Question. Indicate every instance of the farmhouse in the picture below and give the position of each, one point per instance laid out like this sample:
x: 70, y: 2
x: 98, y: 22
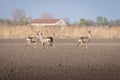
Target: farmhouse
x: 48, y: 22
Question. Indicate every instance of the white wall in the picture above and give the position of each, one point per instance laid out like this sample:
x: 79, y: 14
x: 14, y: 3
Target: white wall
x: 59, y: 23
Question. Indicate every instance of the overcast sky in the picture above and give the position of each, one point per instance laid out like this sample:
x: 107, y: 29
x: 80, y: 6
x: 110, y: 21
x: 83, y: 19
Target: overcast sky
x: 73, y: 9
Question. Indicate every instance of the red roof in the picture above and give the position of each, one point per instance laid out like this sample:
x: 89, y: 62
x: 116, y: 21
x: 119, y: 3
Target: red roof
x: 45, y: 20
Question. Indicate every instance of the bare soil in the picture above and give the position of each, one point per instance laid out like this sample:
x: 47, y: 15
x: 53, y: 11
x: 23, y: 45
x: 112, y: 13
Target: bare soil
x: 99, y: 60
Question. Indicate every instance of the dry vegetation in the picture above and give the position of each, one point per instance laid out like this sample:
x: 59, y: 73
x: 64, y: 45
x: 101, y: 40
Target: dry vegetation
x: 72, y: 31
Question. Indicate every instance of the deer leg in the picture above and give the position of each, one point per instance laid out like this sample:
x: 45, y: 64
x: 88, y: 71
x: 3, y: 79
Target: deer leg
x: 35, y: 44
x: 27, y: 43
x: 86, y: 45
x: 41, y: 44
x: 78, y: 44
x: 51, y: 44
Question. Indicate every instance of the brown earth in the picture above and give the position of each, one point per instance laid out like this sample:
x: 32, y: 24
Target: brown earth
x: 100, y: 60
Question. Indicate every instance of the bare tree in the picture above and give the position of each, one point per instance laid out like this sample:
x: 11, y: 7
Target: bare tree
x: 66, y: 19
x: 19, y: 16
x: 46, y: 15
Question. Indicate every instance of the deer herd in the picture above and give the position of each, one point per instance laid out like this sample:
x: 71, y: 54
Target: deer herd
x: 48, y: 41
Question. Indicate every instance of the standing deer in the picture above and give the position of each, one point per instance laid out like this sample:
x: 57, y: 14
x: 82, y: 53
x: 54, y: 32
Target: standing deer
x: 85, y: 40
x: 31, y: 39
x: 46, y: 40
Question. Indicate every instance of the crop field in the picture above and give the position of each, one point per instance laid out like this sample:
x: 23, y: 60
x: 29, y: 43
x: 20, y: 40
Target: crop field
x: 99, y: 60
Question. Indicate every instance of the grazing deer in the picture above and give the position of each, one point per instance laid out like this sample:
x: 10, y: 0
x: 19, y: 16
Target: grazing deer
x: 85, y: 40
x: 30, y: 40
x: 46, y: 40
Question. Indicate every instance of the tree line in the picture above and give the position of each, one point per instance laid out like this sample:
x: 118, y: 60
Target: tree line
x: 100, y: 21
x: 19, y: 17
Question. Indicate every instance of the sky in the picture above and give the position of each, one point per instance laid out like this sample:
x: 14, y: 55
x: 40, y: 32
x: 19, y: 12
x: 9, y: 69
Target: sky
x: 74, y: 10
